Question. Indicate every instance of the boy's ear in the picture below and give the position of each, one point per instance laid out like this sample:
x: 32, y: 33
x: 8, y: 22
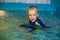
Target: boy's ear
x: 38, y: 14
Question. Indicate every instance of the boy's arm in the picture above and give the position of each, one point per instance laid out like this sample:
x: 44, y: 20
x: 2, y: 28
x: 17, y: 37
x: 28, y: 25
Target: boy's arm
x: 41, y: 23
x: 43, y: 26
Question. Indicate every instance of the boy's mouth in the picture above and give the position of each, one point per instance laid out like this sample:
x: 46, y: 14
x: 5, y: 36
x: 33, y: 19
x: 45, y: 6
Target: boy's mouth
x: 32, y: 19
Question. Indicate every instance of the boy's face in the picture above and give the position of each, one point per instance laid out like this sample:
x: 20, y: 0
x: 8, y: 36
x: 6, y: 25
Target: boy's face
x: 32, y: 15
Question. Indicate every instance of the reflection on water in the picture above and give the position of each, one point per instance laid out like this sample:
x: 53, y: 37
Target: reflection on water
x: 10, y: 30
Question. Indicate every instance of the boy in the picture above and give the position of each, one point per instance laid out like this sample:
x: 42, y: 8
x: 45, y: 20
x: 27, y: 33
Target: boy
x: 34, y: 21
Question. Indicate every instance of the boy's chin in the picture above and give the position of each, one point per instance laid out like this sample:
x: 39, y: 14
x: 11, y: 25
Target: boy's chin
x: 32, y: 21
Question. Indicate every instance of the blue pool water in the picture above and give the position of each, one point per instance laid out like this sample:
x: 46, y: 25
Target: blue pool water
x: 10, y: 30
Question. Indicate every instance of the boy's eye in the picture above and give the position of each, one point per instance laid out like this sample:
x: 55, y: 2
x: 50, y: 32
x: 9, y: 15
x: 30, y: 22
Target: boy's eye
x: 34, y: 15
x: 29, y: 15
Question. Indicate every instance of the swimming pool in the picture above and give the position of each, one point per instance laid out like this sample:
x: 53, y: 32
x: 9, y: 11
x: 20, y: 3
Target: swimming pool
x: 10, y: 30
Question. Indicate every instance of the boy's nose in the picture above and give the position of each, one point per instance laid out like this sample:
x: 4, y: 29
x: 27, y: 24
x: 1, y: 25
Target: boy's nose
x: 31, y: 17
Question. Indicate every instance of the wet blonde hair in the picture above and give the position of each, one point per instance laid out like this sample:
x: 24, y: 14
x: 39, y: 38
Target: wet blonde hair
x: 33, y: 8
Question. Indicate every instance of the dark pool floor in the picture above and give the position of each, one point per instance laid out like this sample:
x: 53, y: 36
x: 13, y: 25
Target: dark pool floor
x: 10, y: 30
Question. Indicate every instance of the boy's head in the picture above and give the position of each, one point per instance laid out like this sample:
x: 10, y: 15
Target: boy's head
x: 33, y: 13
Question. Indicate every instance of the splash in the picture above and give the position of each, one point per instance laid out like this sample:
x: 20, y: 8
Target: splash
x: 2, y: 13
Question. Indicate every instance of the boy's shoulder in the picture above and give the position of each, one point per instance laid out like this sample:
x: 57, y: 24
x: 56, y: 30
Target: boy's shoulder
x: 37, y: 22
x: 38, y: 19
